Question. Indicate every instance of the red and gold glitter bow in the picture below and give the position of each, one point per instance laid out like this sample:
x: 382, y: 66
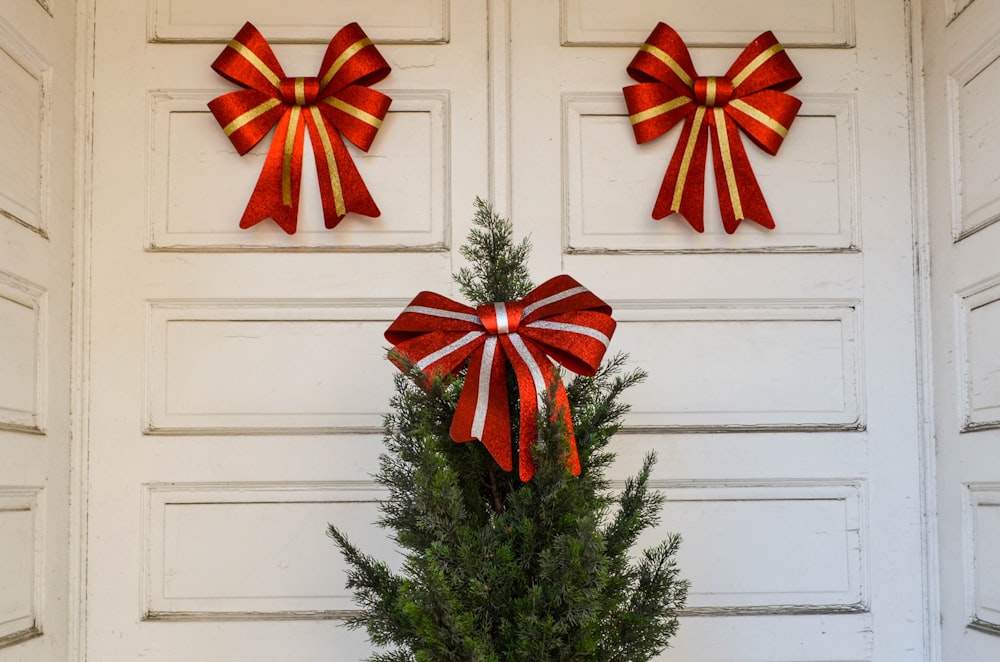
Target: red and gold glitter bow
x: 337, y: 101
x: 750, y: 96
x: 559, y: 320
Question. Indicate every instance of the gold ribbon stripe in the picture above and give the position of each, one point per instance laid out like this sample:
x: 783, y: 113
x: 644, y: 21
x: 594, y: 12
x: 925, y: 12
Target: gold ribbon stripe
x: 710, y: 91
x: 656, y: 111
x: 300, y: 91
x: 669, y: 61
x: 760, y: 116
x: 722, y: 132
x: 353, y: 111
x: 331, y: 161
x: 756, y: 63
x: 250, y: 116
x: 348, y: 53
x: 286, y: 160
x: 257, y: 63
x: 699, y: 116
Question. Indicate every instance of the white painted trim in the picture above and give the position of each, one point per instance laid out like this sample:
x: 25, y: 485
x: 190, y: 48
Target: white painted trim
x: 29, y: 499
x: 929, y: 556
x: 157, y: 495
x: 498, y: 34
x: 966, y: 301
x: 80, y: 331
x: 852, y: 491
x: 162, y: 103
x: 34, y: 297
x: 842, y: 108
x: 954, y: 9
x: 159, y: 312
x: 20, y: 50
x: 974, y: 495
x: 848, y: 312
x: 842, y: 33
x: 161, y: 29
x: 966, y: 222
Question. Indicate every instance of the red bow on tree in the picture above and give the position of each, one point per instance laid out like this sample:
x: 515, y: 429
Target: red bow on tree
x: 750, y: 96
x: 336, y: 102
x: 559, y: 320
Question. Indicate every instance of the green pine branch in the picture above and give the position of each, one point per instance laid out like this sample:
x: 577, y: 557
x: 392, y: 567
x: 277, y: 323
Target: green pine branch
x: 498, y: 268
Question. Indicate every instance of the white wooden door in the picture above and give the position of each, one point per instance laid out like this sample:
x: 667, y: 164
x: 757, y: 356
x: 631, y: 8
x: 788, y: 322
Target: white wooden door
x: 37, y: 174
x: 782, y: 396
x: 961, y: 53
x: 238, y: 376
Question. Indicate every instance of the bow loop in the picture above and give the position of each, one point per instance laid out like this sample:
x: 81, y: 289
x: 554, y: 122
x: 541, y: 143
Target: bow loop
x: 246, y: 116
x: 749, y: 97
x: 357, y: 113
x: 351, y: 59
x: 655, y: 109
x: 577, y: 340
x: 560, y: 294
x: 765, y: 117
x: 248, y: 61
x: 332, y: 104
x: 439, y: 353
x: 559, y: 320
x: 763, y: 64
x: 664, y: 58
x: 431, y: 310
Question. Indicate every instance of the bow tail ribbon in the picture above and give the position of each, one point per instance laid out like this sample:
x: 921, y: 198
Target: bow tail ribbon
x: 340, y: 184
x: 483, y: 408
x: 764, y: 117
x: 276, y: 195
x: 739, y: 193
x: 278, y: 187
x: 683, y: 188
x: 535, y: 374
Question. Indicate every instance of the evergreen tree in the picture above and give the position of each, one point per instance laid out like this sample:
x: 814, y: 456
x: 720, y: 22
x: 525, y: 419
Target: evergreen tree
x: 497, y: 570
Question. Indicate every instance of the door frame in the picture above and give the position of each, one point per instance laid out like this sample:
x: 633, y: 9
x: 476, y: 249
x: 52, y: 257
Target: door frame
x: 500, y: 190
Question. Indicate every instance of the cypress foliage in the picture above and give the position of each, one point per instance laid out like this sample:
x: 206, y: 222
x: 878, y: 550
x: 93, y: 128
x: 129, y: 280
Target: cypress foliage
x: 497, y: 570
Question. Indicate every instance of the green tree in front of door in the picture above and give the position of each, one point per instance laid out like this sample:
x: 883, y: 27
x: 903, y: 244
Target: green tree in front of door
x: 500, y: 570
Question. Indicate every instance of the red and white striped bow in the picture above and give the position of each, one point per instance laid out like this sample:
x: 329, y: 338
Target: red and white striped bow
x: 559, y: 320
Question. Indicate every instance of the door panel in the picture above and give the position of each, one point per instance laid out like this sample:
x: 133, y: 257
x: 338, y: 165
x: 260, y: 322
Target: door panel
x: 37, y: 69
x: 961, y: 43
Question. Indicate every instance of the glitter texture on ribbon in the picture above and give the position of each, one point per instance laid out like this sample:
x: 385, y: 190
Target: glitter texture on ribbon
x: 559, y: 321
x: 751, y: 96
x: 337, y: 102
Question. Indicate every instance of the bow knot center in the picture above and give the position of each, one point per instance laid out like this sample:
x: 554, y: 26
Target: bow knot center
x: 500, y: 318
x: 712, y: 91
x: 300, y: 91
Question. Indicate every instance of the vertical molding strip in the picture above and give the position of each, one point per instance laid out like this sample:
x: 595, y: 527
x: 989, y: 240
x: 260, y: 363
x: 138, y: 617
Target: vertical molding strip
x: 86, y: 11
x: 498, y: 54
x: 927, y: 449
